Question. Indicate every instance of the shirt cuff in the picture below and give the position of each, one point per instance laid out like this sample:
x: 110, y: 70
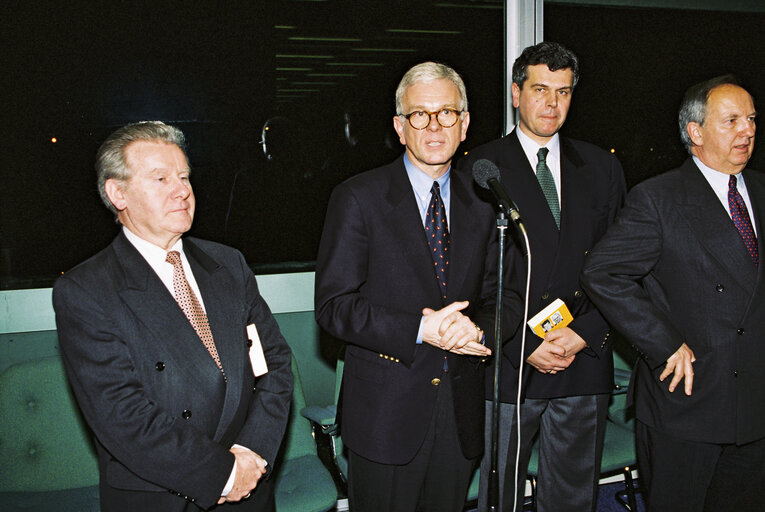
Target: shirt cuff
x: 232, y: 476
x: 419, y: 331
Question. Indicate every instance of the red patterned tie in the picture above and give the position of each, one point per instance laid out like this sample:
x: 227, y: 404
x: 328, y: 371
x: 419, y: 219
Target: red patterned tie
x: 740, y: 216
x: 189, y: 303
x: 437, y: 232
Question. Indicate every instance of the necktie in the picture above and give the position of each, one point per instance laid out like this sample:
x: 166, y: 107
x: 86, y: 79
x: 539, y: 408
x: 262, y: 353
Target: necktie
x: 189, y: 303
x: 740, y: 216
x: 437, y: 232
x: 546, y: 181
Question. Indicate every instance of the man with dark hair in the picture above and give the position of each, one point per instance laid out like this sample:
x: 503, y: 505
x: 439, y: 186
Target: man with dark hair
x: 678, y: 274
x: 406, y: 275
x: 568, y: 193
x: 161, y: 337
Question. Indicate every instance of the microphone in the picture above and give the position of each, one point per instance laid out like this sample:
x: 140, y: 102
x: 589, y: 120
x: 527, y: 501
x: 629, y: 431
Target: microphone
x: 486, y: 174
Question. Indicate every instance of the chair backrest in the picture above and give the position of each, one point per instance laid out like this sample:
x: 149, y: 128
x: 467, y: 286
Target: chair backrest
x: 44, y: 443
x: 298, y: 440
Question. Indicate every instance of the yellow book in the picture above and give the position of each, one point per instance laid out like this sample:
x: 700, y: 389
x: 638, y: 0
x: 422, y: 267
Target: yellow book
x: 554, y: 316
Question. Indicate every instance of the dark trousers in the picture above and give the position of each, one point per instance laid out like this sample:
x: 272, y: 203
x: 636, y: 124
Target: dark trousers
x: 571, y: 432
x: 436, y: 480
x: 687, y: 476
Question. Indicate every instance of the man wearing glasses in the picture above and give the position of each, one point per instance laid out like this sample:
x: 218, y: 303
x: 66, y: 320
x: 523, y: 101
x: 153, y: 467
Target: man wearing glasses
x: 406, y: 276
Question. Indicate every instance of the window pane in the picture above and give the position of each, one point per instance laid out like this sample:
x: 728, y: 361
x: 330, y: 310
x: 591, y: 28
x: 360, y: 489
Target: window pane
x: 320, y: 75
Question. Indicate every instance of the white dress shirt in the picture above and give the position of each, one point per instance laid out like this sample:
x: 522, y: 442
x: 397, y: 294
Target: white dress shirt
x: 719, y: 183
x: 531, y: 148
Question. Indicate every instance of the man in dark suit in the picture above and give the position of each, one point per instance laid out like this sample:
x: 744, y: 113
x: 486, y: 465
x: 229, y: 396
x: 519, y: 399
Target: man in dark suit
x: 568, y: 193
x: 406, y: 276
x: 678, y: 275
x: 155, y: 338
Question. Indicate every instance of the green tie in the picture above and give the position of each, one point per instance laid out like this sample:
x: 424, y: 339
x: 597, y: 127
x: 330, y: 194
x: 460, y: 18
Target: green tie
x: 547, y: 183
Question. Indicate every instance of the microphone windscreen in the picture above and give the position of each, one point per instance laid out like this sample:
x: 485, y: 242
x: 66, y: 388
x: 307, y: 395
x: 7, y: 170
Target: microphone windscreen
x: 483, y: 171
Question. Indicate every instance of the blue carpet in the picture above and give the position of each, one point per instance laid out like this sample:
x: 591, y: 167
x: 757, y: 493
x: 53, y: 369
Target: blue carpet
x: 607, y: 500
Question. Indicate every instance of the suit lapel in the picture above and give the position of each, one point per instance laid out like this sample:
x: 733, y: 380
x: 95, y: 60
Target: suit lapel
x: 405, y: 223
x: 520, y: 182
x: 756, y: 189
x: 576, y: 193
x: 713, y: 227
x: 216, y: 285
x: 154, y: 306
x: 464, y: 237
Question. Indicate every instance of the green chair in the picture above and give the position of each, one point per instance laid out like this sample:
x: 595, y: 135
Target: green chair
x: 48, y: 460
x: 324, y: 422
x: 303, y: 484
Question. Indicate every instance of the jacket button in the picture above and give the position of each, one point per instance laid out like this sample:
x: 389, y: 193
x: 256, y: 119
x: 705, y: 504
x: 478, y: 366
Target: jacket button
x: 578, y: 293
x: 186, y: 414
x: 740, y: 331
x: 436, y: 381
x: 545, y: 296
x: 719, y: 287
x: 735, y: 373
x: 586, y: 252
x: 159, y: 366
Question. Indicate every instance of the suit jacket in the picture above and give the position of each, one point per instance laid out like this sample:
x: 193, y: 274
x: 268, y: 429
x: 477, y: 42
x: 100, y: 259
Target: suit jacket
x: 374, y: 275
x: 162, y: 416
x: 592, y: 190
x: 674, y: 269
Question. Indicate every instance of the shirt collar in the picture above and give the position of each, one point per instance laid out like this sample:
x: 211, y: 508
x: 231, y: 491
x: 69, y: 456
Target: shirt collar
x: 422, y: 183
x: 154, y: 254
x: 531, y: 147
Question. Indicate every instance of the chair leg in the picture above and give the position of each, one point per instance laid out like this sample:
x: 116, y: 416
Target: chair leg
x: 629, y: 491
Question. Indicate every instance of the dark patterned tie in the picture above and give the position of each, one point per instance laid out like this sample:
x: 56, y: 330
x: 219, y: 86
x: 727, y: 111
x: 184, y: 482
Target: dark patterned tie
x: 740, y: 216
x: 546, y: 181
x: 191, y: 307
x: 437, y: 232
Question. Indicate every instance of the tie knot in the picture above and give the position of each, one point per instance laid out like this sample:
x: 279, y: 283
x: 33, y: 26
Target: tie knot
x: 173, y: 257
x: 542, y: 154
x: 732, y: 182
x: 435, y: 189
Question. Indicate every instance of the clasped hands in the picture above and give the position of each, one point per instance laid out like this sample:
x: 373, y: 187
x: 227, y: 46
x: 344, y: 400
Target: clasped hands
x: 250, y: 467
x: 450, y: 330
x: 557, y: 352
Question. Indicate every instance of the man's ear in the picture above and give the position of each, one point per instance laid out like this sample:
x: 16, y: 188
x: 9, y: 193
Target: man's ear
x: 398, y: 125
x: 115, y: 191
x: 516, y: 92
x: 695, y: 133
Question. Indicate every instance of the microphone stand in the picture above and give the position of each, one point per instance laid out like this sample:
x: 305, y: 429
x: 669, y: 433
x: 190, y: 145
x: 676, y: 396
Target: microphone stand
x: 493, y: 492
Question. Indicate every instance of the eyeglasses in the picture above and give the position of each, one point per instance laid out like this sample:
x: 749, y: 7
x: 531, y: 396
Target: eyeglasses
x: 446, y: 117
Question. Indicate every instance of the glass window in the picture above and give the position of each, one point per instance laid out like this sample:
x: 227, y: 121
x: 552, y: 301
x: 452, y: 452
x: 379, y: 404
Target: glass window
x: 279, y: 100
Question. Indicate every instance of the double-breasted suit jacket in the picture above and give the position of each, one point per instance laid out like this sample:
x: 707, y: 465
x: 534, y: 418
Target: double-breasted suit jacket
x: 592, y: 191
x: 674, y: 269
x: 162, y: 415
x: 374, y: 275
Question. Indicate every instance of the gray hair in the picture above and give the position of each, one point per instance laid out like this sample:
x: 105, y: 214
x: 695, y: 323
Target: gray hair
x: 554, y: 55
x: 693, y: 109
x: 110, y: 159
x: 428, y: 72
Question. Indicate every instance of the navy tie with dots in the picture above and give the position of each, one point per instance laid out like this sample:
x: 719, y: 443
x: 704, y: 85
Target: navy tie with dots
x: 740, y: 216
x: 191, y: 307
x: 437, y: 232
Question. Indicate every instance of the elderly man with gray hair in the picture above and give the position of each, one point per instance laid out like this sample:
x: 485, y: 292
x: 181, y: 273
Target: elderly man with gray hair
x: 678, y: 274
x: 175, y: 359
x: 406, y: 276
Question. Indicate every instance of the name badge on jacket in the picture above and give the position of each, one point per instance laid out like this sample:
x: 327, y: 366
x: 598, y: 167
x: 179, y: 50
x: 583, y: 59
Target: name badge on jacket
x: 257, y: 359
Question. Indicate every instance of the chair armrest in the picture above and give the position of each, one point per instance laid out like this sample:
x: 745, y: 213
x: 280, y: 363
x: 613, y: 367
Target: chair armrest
x: 324, y: 417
